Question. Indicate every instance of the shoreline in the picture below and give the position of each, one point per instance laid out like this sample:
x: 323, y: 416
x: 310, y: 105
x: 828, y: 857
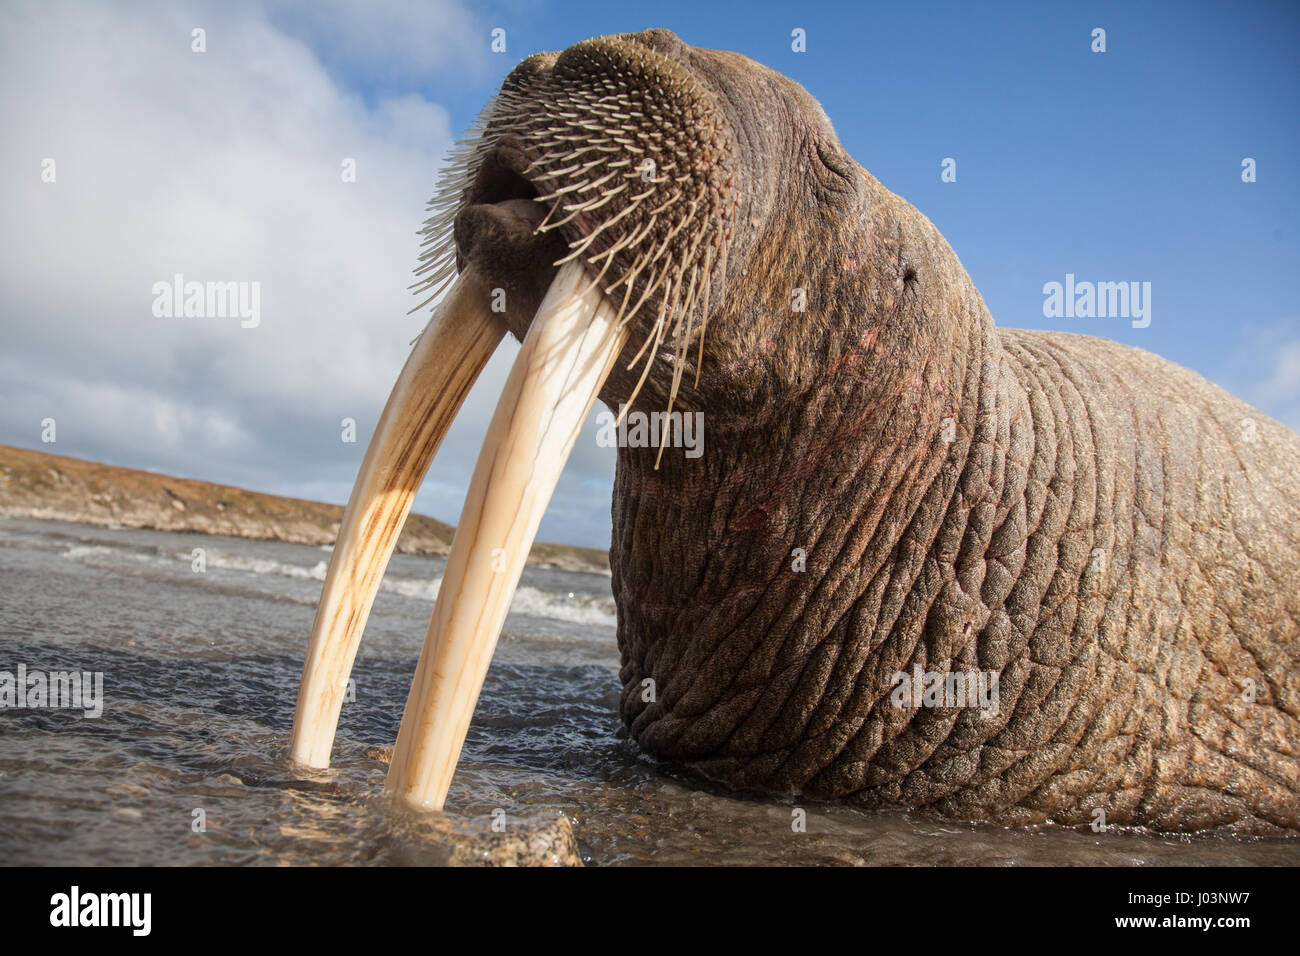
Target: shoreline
x: 43, y: 486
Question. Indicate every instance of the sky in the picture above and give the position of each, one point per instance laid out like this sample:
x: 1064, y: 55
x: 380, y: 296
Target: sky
x: 1115, y: 166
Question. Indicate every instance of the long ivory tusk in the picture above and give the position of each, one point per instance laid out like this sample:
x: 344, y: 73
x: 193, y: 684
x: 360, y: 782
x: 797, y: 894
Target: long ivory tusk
x: 452, y: 350
x: 566, y: 356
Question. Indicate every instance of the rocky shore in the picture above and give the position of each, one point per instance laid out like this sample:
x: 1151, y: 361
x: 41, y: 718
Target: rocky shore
x: 34, y: 484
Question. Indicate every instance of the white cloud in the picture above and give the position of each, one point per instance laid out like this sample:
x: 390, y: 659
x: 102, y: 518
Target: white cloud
x: 1265, y: 370
x: 389, y: 41
x: 1280, y: 391
x: 225, y: 165
x: 1284, y: 381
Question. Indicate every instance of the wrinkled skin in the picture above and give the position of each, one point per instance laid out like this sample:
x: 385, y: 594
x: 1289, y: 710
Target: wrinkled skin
x: 1096, y: 526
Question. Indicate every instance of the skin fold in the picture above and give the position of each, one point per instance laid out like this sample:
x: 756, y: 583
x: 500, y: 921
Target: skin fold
x: 1112, y: 536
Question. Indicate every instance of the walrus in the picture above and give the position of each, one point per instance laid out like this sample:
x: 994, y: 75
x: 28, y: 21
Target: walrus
x: 1097, y: 549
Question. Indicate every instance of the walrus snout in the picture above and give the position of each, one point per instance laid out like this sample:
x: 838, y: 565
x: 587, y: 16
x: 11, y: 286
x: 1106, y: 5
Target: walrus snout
x: 629, y: 163
x: 512, y: 224
x: 496, y: 231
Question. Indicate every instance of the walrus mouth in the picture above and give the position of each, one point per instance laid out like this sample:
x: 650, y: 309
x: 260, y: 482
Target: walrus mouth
x: 613, y: 154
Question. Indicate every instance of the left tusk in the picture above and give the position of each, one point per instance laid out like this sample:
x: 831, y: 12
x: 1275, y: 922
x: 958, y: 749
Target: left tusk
x: 565, y: 359
x: 447, y: 358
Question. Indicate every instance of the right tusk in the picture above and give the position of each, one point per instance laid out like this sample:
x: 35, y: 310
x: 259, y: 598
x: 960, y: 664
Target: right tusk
x: 570, y: 347
x: 455, y: 345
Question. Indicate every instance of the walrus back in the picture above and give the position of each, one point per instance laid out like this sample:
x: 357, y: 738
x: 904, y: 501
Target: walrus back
x: 1179, y: 501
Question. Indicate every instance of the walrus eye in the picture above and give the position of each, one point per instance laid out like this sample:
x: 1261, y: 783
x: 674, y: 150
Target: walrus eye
x: 833, y: 176
x: 909, y: 277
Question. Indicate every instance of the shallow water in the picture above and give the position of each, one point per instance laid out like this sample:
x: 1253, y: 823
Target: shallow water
x: 200, y: 673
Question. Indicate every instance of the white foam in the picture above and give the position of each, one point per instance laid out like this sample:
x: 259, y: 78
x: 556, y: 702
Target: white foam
x: 79, y: 551
x: 578, y: 608
x: 240, y: 562
x: 568, y: 606
x: 560, y: 606
x: 411, y: 587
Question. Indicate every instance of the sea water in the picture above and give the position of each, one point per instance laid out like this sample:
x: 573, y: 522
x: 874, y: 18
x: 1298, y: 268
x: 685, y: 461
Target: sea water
x: 185, y: 762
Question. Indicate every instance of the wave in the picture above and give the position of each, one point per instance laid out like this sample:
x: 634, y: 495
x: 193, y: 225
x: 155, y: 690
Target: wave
x: 80, y: 551
x: 578, y: 608
x: 239, y: 562
x: 424, y: 588
x: 535, y: 602
x: 566, y: 606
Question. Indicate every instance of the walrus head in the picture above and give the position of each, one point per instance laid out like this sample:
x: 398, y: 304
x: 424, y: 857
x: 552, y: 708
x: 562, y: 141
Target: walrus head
x: 662, y: 226
x: 666, y: 173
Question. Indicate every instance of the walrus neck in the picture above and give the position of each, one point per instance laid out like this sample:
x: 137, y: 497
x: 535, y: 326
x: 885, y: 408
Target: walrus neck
x: 858, y: 495
x: 875, y: 337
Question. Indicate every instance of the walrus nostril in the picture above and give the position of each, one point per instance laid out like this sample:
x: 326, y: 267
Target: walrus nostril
x: 500, y: 216
x: 498, y: 184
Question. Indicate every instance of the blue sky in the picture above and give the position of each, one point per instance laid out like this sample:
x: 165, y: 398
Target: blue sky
x: 1115, y: 166
x: 1122, y: 165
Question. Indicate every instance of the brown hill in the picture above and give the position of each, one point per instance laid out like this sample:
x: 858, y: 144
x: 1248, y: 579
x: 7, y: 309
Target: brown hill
x: 34, y: 484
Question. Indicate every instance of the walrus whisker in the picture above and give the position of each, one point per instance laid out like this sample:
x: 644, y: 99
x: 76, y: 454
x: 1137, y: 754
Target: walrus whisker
x: 565, y: 221
x: 668, y: 203
x: 665, y: 276
x: 615, y: 249
x: 704, y: 312
x: 585, y: 206
x: 591, y: 237
x: 621, y: 316
x: 672, y: 398
x: 564, y: 191
x: 628, y: 278
x: 578, y: 248
x: 459, y: 169
x: 600, y: 182
x: 582, y: 245
x: 658, y: 333
x: 651, y: 287
x: 543, y: 225
x: 609, y: 260
x: 557, y: 174
x: 605, y: 198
